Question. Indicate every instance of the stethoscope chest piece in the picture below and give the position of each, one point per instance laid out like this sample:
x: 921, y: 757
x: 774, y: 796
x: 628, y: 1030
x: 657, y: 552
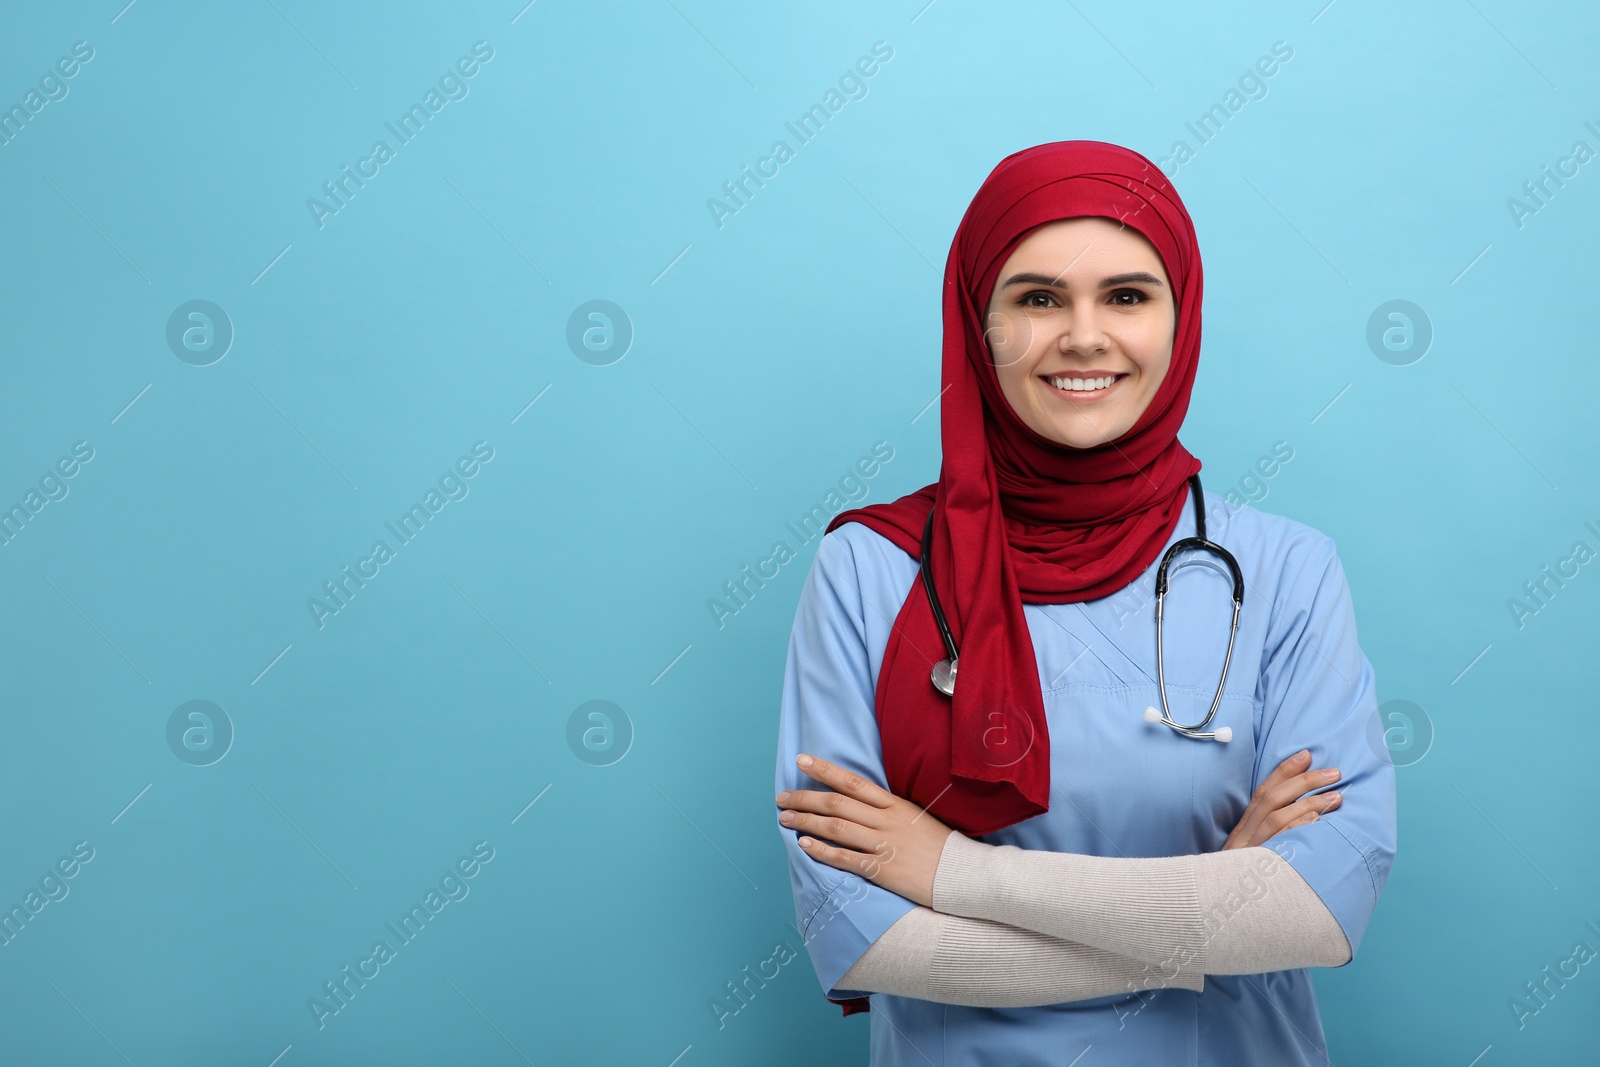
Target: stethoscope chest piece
x: 944, y: 677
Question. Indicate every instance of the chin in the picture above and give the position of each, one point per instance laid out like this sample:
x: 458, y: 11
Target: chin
x: 1080, y: 438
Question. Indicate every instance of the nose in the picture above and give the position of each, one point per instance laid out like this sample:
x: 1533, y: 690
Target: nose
x: 1084, y: 333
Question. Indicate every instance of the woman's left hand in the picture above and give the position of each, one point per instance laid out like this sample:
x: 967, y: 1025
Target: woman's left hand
x: 887, y: 840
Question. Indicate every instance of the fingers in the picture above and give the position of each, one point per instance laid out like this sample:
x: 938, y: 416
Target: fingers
x: 867, y: 865
x: 849, y: 813
x: 845, y: 832
x: 839, y: 829
x: 1311, y: 808
x: 1301, y: 812
x: 1262, y: 801
x: 1289, y: 781
x: 1301, y: 784
x: 1270, y: 822
x: 845, y: 781
x: 1295, y: 764
x: 835, y: 816
x: 851, y: 800
x: 826, y: 802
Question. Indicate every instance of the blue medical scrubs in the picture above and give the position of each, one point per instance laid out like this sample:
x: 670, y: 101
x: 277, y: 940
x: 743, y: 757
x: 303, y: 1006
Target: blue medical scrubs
x: 1120, y: 786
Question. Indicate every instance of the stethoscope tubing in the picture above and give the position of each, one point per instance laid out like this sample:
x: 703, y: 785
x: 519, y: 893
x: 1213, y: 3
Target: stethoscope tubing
x: 943, y: 675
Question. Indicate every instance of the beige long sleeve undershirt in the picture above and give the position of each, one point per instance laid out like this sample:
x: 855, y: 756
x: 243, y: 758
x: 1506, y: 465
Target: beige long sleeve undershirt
x: 1015, y: 927
x: 952, y: 959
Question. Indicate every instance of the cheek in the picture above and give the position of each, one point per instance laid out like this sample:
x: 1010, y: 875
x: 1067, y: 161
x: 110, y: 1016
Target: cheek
x: 1152, y: 350
x: 1013, y: 383
x: 1009, y: 338
x: 1156, y: 370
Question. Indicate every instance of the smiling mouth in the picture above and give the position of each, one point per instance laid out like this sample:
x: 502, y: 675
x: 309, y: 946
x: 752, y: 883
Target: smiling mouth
x: 1080, y: 390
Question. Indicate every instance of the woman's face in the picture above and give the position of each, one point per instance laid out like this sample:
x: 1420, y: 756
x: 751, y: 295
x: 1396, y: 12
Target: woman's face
x: 1081, y: 301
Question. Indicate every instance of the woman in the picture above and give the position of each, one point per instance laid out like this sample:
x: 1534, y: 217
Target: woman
x: 1003, y: 852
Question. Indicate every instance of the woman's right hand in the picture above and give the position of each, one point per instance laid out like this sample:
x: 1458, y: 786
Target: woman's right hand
x: 1281, y: 802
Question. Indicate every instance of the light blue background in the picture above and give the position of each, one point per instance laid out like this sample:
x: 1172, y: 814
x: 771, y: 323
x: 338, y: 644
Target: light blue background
x: 769, y: 354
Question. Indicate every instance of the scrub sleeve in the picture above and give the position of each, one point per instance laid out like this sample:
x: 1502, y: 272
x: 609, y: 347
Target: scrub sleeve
x: 1317, y: 691
x: 828, y: 709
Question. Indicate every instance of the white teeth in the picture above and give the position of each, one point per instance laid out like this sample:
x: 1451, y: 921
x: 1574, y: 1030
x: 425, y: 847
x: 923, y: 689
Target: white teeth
x: 1083, y: 384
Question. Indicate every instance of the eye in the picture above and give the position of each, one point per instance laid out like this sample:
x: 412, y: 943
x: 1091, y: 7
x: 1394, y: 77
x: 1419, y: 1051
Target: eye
x: 1139, y: 298
x: 1026, y: 299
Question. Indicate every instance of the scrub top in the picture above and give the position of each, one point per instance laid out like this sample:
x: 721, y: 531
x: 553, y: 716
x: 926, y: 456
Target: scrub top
x: 1120, y: 786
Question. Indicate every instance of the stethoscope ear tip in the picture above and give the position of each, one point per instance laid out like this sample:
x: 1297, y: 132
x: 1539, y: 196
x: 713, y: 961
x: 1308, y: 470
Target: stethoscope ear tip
x: 1223, y: 734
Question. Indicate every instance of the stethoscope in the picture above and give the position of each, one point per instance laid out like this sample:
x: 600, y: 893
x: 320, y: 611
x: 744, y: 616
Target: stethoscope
x: 944, y: 672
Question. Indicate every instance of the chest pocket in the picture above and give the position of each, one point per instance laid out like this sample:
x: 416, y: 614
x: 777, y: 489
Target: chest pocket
x: 1073, y: 647
x: 1124, y: 786
x: 1117, y: 787
x: 1140, y: 781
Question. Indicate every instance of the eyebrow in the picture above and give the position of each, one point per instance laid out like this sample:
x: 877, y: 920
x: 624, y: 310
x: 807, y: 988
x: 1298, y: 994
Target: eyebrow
x: 1030, y: 278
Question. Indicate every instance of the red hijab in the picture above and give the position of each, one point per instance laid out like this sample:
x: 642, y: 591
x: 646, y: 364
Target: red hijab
x: 1018, y: 518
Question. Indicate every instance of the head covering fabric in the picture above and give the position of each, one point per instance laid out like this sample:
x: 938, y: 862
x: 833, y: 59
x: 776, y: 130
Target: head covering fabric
x: 1018, y: 518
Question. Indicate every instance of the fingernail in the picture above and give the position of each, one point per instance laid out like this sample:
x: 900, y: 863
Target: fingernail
x: 1315, y: 816
x: 804, y: 761
x: 1331, y: 773
x: 783, y: 796
x: 806, y: 842
x: 1304, y: 753
x: 1333, y: 798
x: 787, y: 816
